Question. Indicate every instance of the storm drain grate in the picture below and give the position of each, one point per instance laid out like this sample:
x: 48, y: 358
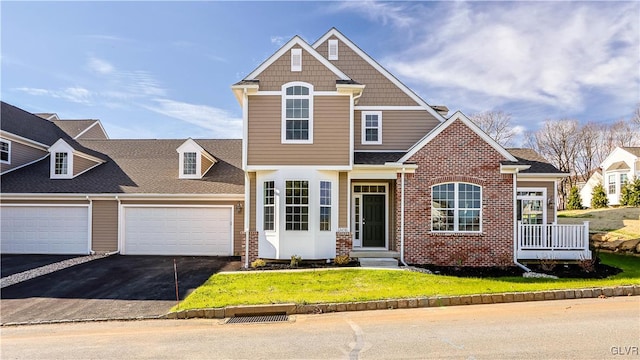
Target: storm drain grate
x: 258, y: 319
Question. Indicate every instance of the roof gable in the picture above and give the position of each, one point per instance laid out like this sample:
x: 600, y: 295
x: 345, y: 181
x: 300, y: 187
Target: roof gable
x: 440, y: 128
x: 333, y: 32
x: 620, y: 154
x: 296, y: 40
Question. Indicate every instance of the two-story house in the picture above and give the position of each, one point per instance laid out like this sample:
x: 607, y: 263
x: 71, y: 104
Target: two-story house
x: 620, y: 167
x: 341, y: 157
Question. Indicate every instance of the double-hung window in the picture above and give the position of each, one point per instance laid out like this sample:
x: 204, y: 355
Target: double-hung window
x: 624, y: 179
x: 297, y: 205
x: 5, y: 151
x: 612, y: 184
x: 61, y: 163
x: 371, y: 127
x: 325, y: 205
x: 456, y: 207
x: 269, y: 206
x: 297, y: 113
x: 189, y: 163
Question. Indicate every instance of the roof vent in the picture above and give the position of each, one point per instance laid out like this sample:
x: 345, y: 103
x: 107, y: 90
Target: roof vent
x: 333, y: 49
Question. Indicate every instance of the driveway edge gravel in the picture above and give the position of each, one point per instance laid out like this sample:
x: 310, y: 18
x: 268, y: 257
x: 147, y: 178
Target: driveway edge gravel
x: 422, y: 302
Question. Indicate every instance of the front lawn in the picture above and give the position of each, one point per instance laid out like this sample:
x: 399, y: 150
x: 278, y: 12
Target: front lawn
x: 356, y: 284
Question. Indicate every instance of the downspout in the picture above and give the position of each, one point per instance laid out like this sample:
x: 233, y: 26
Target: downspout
x: 247, y: 206
x: 402, y: 218
x: 119, y: 227
x: 515, y: 224
x: 91, y: 252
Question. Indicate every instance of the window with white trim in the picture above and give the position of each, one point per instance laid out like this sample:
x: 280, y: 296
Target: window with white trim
x: 297, y: 205
x: 623, y: 180
x: 296, y: 59
x: 612, y: 184
x: 61, y: 164
x: 189, y: 163
x: 371, y: 127
x: 5, y: 151
x: 325, y: 205
x: 456, y: 207
x: 269, y: 206
x: 333, y: 49
x: 297, y: 113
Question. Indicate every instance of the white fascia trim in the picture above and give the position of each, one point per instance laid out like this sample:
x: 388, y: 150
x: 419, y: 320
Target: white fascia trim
x: 383, y: 71
x: 23, y: 140
x: 315, y: 93
x: 251, y: 168
x: 378, y: 151
x: 23, y: 165
x: 85, y: 130
x: 373, y: 107
x: 458, y: 115
x: 541, y: 176
x: 173, y: 197
x: 512, y: 169
x: 296, y: 40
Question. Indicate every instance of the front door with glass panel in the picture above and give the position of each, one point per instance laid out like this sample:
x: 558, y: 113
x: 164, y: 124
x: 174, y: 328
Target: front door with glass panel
x: 531, y: 210
x: 370, y: 216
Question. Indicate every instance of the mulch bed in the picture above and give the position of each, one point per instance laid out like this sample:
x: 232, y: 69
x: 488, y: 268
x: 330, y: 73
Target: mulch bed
x: 600, y: 271
x: 306, y: 264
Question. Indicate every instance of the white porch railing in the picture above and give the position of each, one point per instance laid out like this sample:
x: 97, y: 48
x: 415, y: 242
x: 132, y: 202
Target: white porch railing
x: 553, y: 241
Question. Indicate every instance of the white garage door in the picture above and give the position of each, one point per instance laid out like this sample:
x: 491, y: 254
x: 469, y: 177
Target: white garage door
x: 44, y: 229
x: 177, y: 231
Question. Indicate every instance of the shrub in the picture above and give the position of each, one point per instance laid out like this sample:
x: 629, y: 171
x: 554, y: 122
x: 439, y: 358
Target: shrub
x: 295, y: 260
x: 548, y: 264
x: 342, y: 260
x: 630, y: 193
x: 575, y: 201
x: 258, y: 263
x: 599, y: 197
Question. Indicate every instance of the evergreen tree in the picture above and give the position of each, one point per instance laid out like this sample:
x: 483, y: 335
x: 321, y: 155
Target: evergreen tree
x: 575, y: 201
x: 634, y: 192
x: 599, y: 197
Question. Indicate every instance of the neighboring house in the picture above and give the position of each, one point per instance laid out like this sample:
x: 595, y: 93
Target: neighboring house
x: 341, y: 157
x: 65, y: 194
x: 586, y: 188
x: 621, y: 166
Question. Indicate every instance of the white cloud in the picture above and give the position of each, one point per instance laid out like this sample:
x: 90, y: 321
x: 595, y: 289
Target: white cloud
x: 75, y: 94
x: 222, y: 123
x: 100, y: 66
x: 279, y: 40
x: 397, y: 14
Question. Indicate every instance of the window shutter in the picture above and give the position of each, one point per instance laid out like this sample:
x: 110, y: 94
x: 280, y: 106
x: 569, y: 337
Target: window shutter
x: 333, y: 49
x: 296, y: 59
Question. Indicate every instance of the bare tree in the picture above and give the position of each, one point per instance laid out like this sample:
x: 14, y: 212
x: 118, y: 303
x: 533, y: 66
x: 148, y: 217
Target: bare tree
x: 635, y: 118
x: 497, y: 124
x: 621, y: 133
x: 588, y: 156
x: 558, y: 142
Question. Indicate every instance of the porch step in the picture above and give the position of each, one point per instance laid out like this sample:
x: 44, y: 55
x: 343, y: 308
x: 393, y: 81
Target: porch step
x: 360, y: 254
x: 379, y: 263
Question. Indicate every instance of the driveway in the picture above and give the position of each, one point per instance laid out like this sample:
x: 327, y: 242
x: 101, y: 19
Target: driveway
x: 113, y: 287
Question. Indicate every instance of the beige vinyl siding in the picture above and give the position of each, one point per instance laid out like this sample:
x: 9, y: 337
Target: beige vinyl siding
x: 400, y: 129
x: 21, y: 154
x: 551, y: 194
x: 254, y: 199
x: 343, y: 200
x: 94, y: 133
x: 379, y: 90
x: 330, y: 133
x: 81, y: 164
x: 104, y: 229
x: 313, y: 72
x: 238, y: 217
x: 204, y: 164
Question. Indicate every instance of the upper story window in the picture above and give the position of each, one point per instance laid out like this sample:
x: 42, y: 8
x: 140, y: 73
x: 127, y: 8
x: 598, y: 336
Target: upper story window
x: 371, y: 127
x: 5, y: 151
x: 296, y: 59
x: 189, y: 163
x: 456, y: 207
x: 297, y: 113
x: 61, y: 164
x: 612, y: 184
x: 333, y: 49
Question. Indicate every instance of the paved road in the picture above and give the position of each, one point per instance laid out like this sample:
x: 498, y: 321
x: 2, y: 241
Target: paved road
x: 567, y: 329
x: 112, y: 287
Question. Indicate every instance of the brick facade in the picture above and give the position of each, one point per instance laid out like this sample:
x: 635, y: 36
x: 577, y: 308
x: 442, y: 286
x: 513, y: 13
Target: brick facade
x: 253, y: 247
x: 344, y: 243
x: 458, y: 154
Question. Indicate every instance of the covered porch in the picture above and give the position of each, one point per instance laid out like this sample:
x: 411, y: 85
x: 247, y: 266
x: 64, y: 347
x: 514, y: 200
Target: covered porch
x: 553, y: 242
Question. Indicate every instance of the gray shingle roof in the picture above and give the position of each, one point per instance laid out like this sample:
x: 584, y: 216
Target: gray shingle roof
x: 633, y: 150
x: 30, y: 126
x: 539, y: 165
x: 376, y: 158
x: 137, y: 167
x: 74, y: 127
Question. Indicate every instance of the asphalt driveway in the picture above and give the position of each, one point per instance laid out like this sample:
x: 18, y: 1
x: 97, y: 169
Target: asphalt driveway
x: 113, y: 287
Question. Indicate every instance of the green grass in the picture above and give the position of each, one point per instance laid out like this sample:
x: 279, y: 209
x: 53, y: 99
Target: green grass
x: 354, y: 284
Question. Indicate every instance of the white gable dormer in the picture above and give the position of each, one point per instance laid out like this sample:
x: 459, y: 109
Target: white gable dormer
x: 194, y: 161
x: 61, y: 160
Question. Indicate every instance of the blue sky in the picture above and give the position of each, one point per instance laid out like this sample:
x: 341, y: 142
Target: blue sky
x: 164, y: 69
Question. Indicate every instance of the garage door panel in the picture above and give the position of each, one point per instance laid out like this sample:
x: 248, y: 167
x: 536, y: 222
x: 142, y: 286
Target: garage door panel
x: 177, y: 231
x: 44, y: 230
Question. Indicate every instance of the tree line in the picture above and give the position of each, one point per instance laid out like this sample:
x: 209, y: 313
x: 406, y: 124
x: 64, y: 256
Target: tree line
x: 571, y: 146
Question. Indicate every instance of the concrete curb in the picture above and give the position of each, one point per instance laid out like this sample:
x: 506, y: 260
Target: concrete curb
x: 433, y: 301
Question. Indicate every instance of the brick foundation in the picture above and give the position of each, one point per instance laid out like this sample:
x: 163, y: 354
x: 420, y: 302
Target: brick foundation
x: 253, y: 247
x: 344, y: 243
